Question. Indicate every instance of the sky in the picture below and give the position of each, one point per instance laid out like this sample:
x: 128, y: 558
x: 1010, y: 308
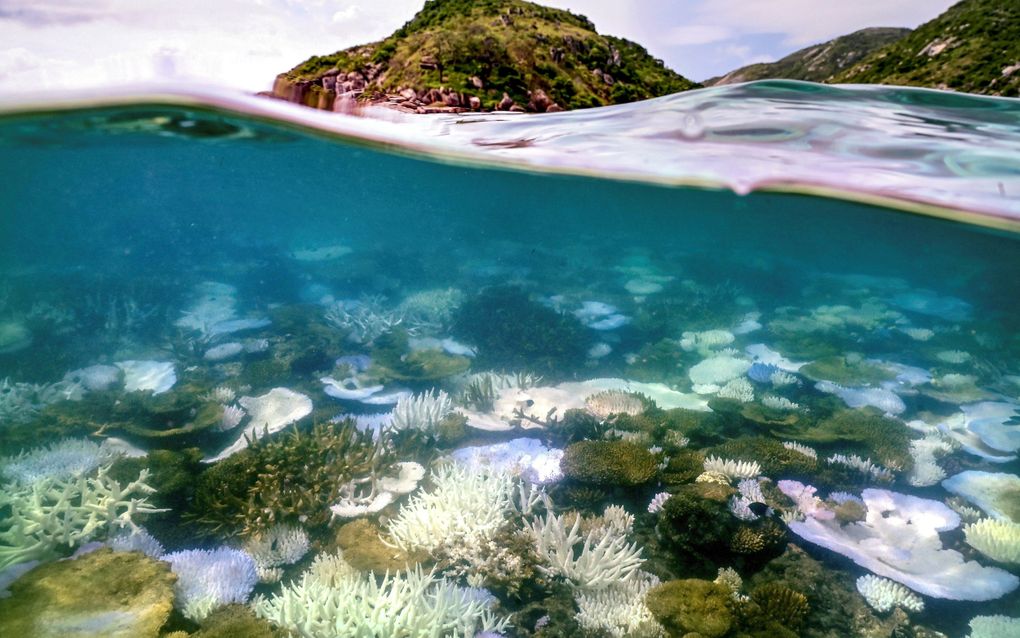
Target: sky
x: 242, y: 44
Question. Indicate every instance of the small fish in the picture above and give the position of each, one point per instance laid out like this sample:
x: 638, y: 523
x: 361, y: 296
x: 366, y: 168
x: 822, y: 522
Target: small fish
x: 759, y: 509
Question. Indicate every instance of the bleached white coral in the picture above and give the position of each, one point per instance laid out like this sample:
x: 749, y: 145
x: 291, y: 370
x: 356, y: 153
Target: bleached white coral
x: 64, y: 459
x: 232, y: 416
x: 605, y: 557
x: 655, y: 505
x: 801, y: 449
x: 749, y: 491
x: 431, y: 310
x: 422, y: 411
x: 137, y: 540
x: 866, y: 466
x: 729, y: 578
x: 609, y: 402
x: 20, y: 402
x: 207, y: 579
x: 55, y: 512
x: 782, y: 378
x: 739, y: 389
x: 280, y: 545
x: 997, y: 626
x: 774, y: 402
x: 463, y: 503
x: 220, y: 394
x: 333, y: 600
x: 883, y: 594
x: 996, y: 539
x: 364, y: 321
x: 706, y: 341
x: 732, y: 469
x: 925, y: 470
x: 619, y: 611
x: 717, y: 370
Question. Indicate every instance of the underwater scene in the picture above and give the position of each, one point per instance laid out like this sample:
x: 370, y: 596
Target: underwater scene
x: 665, y: 369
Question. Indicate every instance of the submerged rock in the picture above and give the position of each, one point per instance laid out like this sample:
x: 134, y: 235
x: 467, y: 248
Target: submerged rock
x: 103, y: 593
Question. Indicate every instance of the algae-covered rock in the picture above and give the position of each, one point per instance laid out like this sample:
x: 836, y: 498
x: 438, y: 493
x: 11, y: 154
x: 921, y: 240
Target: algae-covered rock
x: 851, y: 369
x: 608, y: 463
x: 365, y: 551
x: 103, y: 593
x: 885, y: 441
x: 692, y: 605
x: 236, y: 621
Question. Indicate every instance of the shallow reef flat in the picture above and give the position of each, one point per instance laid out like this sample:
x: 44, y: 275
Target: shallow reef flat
x: 260, y: 383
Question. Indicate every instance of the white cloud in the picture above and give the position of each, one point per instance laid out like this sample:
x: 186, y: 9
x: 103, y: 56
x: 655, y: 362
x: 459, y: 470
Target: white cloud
x: 349, y: 14
x: 243, y: 44
x: 694, y: 34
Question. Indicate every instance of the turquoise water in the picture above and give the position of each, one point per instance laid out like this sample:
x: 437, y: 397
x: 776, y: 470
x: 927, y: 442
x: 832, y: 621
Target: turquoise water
x: 414, y: 254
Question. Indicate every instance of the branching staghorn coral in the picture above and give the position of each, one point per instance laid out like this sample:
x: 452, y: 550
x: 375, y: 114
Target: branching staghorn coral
x: 605, y: 558
x: 62, y: 459
x: 865, y: 466
x: 331, y: 599
x: 65, y: 512
x: 619, y: 611
x: 284, y: 479
x: 364, y: 320
x: 732, y: 469
x: 464, y: 504
x: 421, y: 412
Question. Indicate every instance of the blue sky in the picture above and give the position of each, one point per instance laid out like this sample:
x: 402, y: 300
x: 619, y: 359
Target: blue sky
x: 61, y: 44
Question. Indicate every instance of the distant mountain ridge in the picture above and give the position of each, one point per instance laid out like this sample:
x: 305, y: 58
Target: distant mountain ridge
x: 484, y: 54
x: 819, y: 62
x: 974, y: 46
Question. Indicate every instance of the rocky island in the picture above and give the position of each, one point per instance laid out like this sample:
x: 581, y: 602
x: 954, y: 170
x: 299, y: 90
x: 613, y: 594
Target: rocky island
x: 509, y: 55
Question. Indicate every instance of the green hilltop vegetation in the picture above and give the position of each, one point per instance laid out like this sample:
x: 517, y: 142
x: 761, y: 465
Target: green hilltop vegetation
x: 819, y: 62
x: 469, y: 53
x: 974, y: 46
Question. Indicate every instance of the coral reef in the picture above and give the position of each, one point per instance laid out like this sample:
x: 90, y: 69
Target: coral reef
x: 52, y: 514
x: 463, y: 506
x: 335, y: 600
x: 899, y: 540
x: 866, y: 434
x: 774, y: 458
x: 272, y: 549
x: 782, y: 604
x: 393, y: 359
x: 692, y: 606
x: 620, y: 611
x: 282, y: 479
x: 513, y: 332
x: 207, y: 579
x: 883, y: 594
x: 996, y: 539
x: 605, y: 557
x: 422, y: 412
x: 608, y: 463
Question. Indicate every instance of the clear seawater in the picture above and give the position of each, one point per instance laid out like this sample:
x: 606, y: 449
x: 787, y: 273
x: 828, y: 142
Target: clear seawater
x: 868, y: 228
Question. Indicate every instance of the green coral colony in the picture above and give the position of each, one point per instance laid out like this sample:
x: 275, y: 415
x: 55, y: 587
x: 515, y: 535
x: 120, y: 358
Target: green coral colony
x: 551, y: 425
